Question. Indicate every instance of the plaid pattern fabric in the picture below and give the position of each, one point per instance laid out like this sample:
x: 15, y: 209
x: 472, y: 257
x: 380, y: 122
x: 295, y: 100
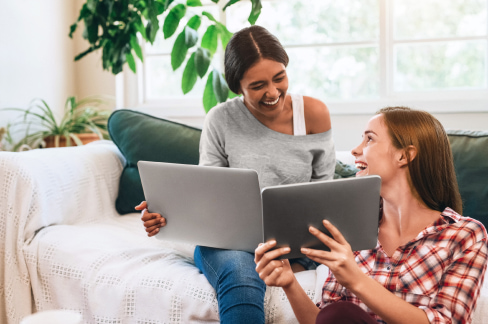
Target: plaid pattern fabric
x: 440, y: 271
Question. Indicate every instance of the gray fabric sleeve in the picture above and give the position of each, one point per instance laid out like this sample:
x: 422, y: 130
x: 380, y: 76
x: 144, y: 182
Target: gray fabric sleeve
x: 212, y: 140
x: 323, y: 164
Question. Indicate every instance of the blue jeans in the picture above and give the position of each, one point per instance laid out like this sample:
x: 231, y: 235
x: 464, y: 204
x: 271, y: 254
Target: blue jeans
x: 240, y: 291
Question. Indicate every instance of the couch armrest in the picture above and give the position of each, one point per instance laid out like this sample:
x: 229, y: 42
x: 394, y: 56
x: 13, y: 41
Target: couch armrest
x: 45, y: 187
x: 59, y: 186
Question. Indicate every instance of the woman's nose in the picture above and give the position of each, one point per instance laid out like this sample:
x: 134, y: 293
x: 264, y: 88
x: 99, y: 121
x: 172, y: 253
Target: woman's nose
x: 358, y: 150
x: 272, y: 92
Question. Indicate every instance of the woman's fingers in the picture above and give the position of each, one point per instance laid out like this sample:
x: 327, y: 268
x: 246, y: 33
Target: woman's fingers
x: 273, y: 277
x: 262, y: 253
x: 327, y: 240
x: 159, y: 222
x: 148, y: 216
x: 318, y: 255
x: 268, y: 268
x: 263, y: 248
x: 336, y: 234
x: 154, y: 232
x: 141, y: 206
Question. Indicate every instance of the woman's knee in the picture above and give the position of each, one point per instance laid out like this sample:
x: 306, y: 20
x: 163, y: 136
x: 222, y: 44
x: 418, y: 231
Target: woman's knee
x: 228, y: 266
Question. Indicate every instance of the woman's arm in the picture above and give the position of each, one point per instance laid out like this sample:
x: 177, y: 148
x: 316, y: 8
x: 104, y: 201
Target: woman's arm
x: 278, y: 273
x: 342, y: 264
x: 212, y: 140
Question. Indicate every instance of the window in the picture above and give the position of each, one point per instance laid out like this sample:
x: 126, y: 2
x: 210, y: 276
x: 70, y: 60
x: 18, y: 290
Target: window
x: 355, y: 55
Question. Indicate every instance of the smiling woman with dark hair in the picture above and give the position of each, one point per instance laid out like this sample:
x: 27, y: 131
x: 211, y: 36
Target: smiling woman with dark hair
x: 429, y: 262
x: 285, y: 138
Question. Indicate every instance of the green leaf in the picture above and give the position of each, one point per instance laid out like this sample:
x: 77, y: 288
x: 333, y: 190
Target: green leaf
x: 191, y: 36
x: 149, y: 31
x: 167, y: 3
x: 215, y: 1
x: 140, y: 28
x: 91, y: 29
x: 178, y: 53
x: 134, y: 43
x: 221, y: 90
x: 152, y: 14
x: 193, y: 3
x: 189, y: 75
x: 209, y: 16
x: 194, y: 22
x: 202, y: 61
x: 209, y: 100
x: 255, y: 11
x: 230, y: 3
x: 173, y: 20
x: 210, y: 38
x: 72, y: 29
x: 225, y: 34
x: 92, y: 5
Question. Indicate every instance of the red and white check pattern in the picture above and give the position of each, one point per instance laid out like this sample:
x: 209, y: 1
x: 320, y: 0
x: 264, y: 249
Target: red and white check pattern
x: 440, y: 271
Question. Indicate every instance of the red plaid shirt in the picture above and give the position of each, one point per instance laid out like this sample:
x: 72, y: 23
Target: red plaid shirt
x: 440, y: 271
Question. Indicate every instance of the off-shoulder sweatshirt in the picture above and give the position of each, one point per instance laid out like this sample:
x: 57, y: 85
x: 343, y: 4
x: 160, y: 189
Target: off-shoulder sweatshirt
x: 233, y: 137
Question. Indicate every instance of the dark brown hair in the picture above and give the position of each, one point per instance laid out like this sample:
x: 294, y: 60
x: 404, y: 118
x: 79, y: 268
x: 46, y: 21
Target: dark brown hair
x: 432, y: 174
x: 247, y: 47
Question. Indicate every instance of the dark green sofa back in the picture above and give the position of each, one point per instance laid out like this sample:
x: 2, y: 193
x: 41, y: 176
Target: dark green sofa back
x: 470, y: 153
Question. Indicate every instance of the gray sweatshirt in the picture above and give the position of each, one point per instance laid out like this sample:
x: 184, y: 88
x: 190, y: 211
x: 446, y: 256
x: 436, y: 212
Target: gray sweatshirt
x: 233, y: 137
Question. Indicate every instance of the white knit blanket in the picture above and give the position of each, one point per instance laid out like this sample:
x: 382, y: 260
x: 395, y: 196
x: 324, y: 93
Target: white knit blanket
x: 64, y: 246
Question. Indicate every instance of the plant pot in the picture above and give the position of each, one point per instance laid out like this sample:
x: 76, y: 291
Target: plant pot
x: 84, y: 138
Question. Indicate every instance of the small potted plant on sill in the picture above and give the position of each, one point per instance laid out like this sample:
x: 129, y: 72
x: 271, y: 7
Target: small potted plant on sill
x: 82, y: 122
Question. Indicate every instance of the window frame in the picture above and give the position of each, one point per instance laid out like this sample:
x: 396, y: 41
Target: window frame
x: 130, y: 87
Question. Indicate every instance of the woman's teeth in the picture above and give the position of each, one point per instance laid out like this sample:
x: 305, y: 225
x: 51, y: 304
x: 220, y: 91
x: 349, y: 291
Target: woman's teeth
x: 361, y: 165
x: 271, y: 103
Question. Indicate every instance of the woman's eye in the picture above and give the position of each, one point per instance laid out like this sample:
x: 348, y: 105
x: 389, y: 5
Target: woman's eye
x: 369, y: 139
x: 279, y: 79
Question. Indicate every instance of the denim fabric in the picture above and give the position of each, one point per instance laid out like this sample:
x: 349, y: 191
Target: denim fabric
x: 240, y: 291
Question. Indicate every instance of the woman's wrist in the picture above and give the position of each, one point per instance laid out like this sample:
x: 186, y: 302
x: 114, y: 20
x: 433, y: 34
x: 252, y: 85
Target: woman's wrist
x: 292, y: 286
x: 357, y: 287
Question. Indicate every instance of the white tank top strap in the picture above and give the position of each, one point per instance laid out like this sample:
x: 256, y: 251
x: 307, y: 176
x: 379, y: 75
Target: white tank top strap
x: 299, y: 127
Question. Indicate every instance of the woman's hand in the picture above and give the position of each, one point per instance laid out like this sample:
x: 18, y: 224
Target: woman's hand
x: 340, y: 260
x: 152, y: 221
x: 276, y: 273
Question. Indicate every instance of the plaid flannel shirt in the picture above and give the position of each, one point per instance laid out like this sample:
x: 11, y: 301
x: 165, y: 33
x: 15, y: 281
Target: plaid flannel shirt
x: 441, y: 271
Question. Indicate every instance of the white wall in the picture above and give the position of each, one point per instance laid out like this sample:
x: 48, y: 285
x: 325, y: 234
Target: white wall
x: 36, y: 56
x: 35, y: 52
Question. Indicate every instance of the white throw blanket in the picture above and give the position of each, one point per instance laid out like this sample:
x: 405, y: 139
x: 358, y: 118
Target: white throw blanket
x: 65, y: 247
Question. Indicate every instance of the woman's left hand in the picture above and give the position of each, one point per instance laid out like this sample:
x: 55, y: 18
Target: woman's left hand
x: 340, y: 260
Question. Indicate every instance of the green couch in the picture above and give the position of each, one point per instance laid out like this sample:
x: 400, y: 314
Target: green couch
x: 143, y: 137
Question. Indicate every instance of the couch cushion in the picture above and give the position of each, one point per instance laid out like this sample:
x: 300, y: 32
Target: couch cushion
x: 470, y: 152
x: 143, y: 137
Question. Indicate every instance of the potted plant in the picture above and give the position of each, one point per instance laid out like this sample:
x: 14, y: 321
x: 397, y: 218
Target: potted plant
x: 82, y: 122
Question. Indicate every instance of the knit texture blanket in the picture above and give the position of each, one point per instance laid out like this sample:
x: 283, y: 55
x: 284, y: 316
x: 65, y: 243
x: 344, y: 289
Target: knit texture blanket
x: 63, y: 246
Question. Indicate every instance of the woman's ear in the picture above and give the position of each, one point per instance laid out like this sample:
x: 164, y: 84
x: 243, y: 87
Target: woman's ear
x: 409, y: 154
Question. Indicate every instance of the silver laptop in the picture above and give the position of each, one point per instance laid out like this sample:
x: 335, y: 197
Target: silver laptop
x: 209, y: 206
x: 224, y: 207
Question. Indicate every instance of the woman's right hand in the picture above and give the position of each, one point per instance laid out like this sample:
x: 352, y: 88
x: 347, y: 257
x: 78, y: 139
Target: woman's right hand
x: 152, y: 221
x: 273, y: 272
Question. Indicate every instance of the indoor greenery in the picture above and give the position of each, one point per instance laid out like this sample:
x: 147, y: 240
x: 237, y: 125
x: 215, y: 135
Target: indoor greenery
x: 114, y: 25
x: 38, y: 122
